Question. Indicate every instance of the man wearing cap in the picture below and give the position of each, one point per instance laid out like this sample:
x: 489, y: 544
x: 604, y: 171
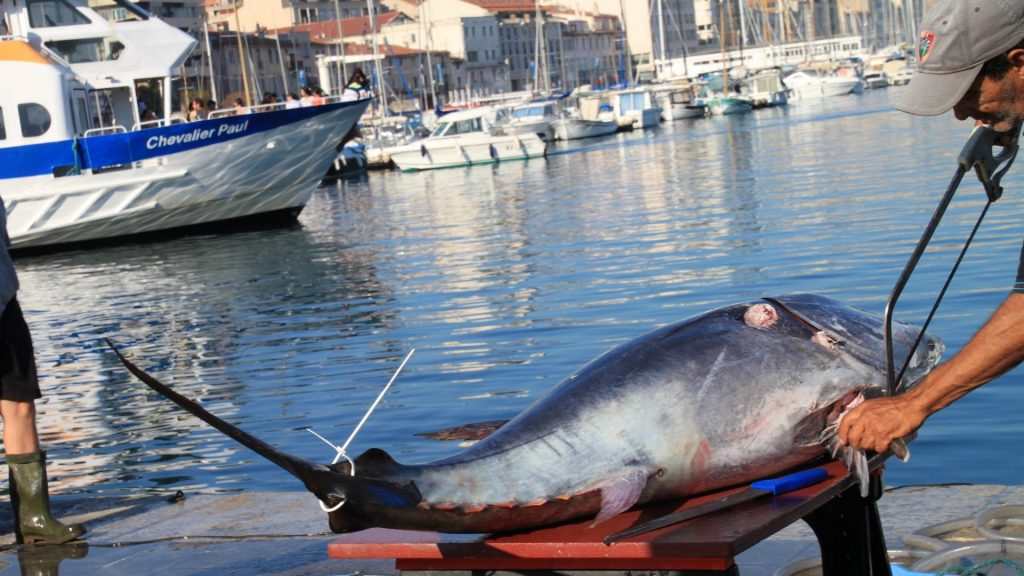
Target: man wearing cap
x: 970, y: 60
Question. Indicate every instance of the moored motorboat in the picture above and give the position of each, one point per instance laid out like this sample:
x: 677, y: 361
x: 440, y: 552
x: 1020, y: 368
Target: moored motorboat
x: 467, y: 137
x: 809, y: 84
x: 728, y: 105
x: 533, y: 118
x: 636, y: 107
x: 678, y: 105
x: 83, y: 162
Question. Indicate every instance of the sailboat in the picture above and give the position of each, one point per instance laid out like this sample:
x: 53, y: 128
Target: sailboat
x: 727, y: 102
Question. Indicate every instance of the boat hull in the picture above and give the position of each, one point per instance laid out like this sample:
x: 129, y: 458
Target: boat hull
x: 683, y: 111
x: 169, y: 178
x: 575, y: 128
x: 466, y: 150
x: 824, y: 89
x: 729, y: 106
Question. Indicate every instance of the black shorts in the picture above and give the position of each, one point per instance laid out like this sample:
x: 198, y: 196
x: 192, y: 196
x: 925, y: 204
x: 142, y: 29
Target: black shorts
x: 17, y: 359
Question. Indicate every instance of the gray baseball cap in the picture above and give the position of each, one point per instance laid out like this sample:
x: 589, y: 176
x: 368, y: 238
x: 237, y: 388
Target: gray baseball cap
x: 956, y: 38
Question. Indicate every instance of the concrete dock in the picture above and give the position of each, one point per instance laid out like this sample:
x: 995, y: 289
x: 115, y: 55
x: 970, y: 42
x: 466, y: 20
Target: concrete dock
x: 285, y: 534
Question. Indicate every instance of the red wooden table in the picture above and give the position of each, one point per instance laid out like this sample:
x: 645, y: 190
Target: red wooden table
x: 847, y: 527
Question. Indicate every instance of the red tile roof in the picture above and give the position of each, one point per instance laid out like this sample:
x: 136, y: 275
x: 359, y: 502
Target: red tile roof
x: 505, y: 5
x: 350, y: 27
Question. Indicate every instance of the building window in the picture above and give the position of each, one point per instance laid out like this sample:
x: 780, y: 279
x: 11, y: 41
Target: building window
x: 35, y: 120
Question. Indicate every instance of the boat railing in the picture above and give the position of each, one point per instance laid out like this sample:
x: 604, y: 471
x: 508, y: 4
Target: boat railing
x: 158, y: 123
x: 118, y: 129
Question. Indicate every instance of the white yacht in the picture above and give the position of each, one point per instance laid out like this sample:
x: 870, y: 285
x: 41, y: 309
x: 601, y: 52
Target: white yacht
x: 472, y: 136
x: 809, y: 84
x: 81, y: 160
x: 585, y: 116
x: 766, y: 88
x: 636, y: 106
x: 533, y: 117
x: 678, y: 104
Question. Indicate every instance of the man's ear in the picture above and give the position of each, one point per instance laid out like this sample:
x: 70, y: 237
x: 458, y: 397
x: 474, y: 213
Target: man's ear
x: 1016, y: 59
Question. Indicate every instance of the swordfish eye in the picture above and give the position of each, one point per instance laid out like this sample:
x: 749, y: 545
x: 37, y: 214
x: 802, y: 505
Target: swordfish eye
x: 760, y: 315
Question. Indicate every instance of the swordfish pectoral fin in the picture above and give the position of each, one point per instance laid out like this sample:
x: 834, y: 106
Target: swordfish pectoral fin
x: 620, y: 493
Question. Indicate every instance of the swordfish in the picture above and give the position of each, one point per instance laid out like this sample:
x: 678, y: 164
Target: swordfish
x: 720, y: 399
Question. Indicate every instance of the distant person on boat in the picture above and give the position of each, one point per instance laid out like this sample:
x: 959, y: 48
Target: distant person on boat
x: 970, y: 60
x: 306, y: 98
x: 240, y: 107
x: 317, y: 97
x: 19, y: 389
x: 197, y: 110
x: 292, y: 101
x: 358, y: 87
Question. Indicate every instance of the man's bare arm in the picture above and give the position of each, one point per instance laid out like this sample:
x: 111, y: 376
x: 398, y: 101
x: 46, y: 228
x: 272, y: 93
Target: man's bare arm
x: 996, y: 348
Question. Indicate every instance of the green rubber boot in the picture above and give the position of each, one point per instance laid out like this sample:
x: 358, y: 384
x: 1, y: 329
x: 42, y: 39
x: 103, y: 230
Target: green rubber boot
x: 31, y: 502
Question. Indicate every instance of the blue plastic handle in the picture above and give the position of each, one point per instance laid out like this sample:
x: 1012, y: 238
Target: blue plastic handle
x: 791, y: 482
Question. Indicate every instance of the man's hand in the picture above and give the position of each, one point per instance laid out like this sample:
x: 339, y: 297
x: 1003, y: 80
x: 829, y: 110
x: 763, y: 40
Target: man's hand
x: 876, y: 423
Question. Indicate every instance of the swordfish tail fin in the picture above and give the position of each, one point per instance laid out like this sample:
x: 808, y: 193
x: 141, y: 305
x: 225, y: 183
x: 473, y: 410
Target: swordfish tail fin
x: 308, y: 472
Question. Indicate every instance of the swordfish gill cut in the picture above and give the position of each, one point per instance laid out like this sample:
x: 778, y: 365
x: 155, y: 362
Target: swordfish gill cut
x: 723, y: 398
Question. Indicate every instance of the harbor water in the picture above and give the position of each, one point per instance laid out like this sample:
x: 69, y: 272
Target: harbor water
x: 504, y: 279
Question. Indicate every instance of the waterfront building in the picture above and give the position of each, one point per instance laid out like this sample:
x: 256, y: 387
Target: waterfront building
x: 251, y: 15
x: 185, y: 15
x: 656, y: 30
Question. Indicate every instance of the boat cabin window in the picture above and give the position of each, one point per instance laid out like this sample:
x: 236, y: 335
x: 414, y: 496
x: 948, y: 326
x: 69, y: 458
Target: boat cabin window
x: 459, y: 127
x: 3, y: 131
x: 49, y: 13
x: 35, y: 120
x: 87, y: 49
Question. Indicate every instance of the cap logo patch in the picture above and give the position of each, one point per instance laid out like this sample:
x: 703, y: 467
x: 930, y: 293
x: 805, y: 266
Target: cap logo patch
x: 924, y: 45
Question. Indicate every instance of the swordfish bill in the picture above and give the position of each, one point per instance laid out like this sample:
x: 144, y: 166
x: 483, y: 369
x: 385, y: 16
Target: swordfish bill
x: 720, y: 399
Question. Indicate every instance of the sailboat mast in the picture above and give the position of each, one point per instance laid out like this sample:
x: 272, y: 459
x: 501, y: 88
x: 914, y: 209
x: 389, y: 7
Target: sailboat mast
x: 340, y: 68
x: 536, y: 47
x: 241, y: 56
x: 209, y: 61
x: 376, y: 59
x: 661, y: 37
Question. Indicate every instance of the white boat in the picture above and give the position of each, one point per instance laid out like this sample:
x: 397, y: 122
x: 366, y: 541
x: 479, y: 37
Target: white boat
x: 80, y: 162
x: 467, y: 137
x: 384, y: 136
x: 809, y: 84
x: 637, y: 107
x: 766, y: 89
x: 586, y: 116
x: 875, y: 80
x: 679, y: 105
x: 569, y: 128
x: 533, y: 118
x: 901, y: 77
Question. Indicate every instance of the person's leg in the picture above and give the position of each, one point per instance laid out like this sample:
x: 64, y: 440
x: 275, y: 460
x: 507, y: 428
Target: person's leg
x: 19, y: 426
x: 19, y: 387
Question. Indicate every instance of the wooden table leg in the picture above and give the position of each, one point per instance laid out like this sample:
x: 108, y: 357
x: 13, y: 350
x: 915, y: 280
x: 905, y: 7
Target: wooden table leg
x: 849, y: 533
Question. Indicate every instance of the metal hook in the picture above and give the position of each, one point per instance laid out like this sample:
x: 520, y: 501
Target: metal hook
x: 977, y: 154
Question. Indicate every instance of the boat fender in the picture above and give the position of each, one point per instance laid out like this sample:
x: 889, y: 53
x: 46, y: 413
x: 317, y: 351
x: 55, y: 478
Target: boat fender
x: 494, y: 153
x: 423, y: 150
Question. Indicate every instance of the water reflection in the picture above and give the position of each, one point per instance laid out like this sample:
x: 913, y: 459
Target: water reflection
x: 505, y: 278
